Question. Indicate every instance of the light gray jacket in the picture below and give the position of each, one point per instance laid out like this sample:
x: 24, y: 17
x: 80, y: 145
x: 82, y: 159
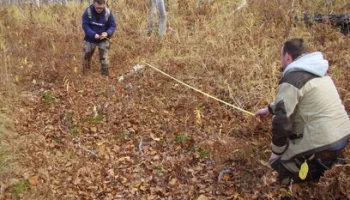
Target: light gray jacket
x: 309, y: 116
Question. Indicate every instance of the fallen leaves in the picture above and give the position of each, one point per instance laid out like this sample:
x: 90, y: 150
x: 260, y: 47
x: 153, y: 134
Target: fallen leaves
x: 198, y: 115
x: 123, y: 159
x: 142, y: 137
x: 173, y: 181
x: 34, y: 180
x: 202, y: 197
x: 155, y: 138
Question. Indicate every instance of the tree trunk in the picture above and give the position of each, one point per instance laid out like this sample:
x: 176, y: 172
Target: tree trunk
x: 37, y: 3
x: 155, y: 5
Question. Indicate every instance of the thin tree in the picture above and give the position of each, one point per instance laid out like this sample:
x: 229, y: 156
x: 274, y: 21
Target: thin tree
x: 37, y: 3
x: 155, y: 5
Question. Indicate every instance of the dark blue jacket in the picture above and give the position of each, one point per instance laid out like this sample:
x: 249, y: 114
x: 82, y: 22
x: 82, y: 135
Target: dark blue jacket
x: 97, y: 24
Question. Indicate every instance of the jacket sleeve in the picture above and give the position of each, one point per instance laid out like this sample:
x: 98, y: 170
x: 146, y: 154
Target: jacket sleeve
x: 86, y: 25
x: 283, y: 107
x: 111, y: 25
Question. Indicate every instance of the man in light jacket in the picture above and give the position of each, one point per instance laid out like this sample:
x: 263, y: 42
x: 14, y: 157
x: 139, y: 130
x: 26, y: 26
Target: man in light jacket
x: 310, y: 126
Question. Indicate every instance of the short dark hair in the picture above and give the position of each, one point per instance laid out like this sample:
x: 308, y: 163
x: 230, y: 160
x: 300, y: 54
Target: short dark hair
x: 100, y: 1
x: 295, y: 47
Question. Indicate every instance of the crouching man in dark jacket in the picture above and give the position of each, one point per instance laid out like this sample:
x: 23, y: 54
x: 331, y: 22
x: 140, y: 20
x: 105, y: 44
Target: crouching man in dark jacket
x: 98, y: 25
x: 310, y: 126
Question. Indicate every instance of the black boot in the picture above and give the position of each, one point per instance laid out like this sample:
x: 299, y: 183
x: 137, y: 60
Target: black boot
x: 104, y: 71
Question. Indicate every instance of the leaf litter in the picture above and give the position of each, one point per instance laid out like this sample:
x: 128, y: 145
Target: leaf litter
x: 140, y: 136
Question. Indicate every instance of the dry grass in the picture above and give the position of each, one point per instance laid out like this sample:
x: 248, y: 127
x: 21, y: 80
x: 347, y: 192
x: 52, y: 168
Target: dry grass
x: 5, y: 157
x: 234, y: 56
x: 8, y: 158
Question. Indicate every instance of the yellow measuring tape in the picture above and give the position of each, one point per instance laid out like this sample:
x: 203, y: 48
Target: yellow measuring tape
x: 197, y: 90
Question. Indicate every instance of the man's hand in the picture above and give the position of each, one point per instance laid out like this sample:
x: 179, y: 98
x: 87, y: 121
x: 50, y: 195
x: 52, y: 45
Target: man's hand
x: 97, y: 36
x: 262, y: 113
x: 273, y: 157
x: 103, y: 35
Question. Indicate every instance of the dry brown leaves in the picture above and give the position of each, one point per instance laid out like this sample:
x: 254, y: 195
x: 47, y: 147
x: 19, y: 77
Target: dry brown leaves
x: 146, y: 137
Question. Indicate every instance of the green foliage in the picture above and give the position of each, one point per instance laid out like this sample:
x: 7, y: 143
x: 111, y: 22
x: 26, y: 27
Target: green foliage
x: 93, y: 119
x: 73, y: 128
x: 204, y: 154
x: 47, y: 96
x: 20, y: 187
x: 180, y: 138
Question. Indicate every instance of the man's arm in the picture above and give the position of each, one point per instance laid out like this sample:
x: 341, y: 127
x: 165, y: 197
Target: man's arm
x: 111, y: 25
x: 86, y: 25
x: 283, y: 107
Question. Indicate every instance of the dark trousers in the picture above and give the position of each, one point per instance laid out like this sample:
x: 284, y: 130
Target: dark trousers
x: 89, y: 49
x: 318, y: 163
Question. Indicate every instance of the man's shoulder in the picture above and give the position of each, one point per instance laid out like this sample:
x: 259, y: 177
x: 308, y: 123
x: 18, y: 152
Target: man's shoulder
x: 107, y: 12
x: 297, y: 78
x: 87, y: 10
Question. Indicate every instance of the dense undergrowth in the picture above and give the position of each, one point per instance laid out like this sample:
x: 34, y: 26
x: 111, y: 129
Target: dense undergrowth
x: 147, y: 137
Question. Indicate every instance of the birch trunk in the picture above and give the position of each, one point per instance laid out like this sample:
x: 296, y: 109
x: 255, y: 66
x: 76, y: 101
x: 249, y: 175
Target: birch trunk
x: 37, y: 3
x: 154, y: 6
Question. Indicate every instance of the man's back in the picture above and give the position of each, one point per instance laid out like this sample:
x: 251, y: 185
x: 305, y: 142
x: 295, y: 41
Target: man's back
x: 319, y: 116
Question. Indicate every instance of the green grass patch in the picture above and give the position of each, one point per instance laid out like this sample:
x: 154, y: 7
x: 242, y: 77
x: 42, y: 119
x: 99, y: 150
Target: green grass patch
x: 74, y: 130
x: 204, y: 154
x: 20, y: 187
x: 72, y: 127
x: 180, y: 138
x: 47, y: 97
x: 93, y: 119
x: 5, y: 160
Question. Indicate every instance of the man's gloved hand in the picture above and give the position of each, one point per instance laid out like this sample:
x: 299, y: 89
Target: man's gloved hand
x: 262, y: 113
x: 97, y: 36
x: 273, y: 157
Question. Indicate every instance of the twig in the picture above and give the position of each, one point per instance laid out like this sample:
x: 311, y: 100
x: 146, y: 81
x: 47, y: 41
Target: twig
x: 244, y: 3
x: 290, y: 187
x: 140, y: 146
x: 87, y: 150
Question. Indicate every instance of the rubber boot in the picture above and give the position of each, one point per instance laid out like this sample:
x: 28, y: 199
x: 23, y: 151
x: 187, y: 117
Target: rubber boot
x: 104, y: 70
